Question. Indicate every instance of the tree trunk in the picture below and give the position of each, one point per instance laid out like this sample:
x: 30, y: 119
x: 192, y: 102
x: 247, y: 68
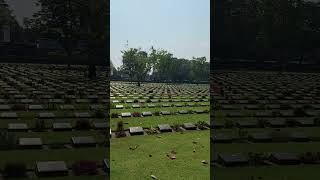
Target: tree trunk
x: 300, y: 60
x: 301, y: 56
x: 92, y: 71
x: 68, y: 50
x: 139, y: 84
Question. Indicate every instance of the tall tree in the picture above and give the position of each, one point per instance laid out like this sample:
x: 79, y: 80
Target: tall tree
x: 6, y: 16
x: 72, y: 20
x: 136, y: 64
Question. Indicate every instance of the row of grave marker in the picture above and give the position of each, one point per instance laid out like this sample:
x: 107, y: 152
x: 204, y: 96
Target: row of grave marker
x: 279, y: 158
x: 48, y: 115
x: 120, y: 106
x: 59, y: 168
x: 76, y: 142
x: 148, y: 113
x: 58, y: 126
x: 138, y: 130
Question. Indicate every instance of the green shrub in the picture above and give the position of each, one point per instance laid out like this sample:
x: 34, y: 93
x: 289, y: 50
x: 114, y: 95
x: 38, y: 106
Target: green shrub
x: 228, y: 123
x: 202, y: 125
x: 114, y: 115
x: 39, y: 125
x: 7, y: 141
x: 120, y: 130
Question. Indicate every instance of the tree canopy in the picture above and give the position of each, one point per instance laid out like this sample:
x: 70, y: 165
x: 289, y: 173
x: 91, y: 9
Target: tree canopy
x: 266, y: 29
x: 160, y: 66
x: 6, y: 16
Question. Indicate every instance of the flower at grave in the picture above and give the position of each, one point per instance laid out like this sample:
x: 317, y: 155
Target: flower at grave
x: 85, y: 167
x: 136, y: 114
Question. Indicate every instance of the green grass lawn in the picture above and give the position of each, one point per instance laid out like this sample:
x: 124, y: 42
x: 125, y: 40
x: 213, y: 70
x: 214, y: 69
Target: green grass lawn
x: 158, y: 109
x: 154, y: 121
x: 137, y: 164
x: 291, y: 172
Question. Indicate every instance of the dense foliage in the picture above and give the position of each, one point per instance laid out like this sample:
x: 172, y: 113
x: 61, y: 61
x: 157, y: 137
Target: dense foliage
x: 160, y: 66
x: 282, y: 30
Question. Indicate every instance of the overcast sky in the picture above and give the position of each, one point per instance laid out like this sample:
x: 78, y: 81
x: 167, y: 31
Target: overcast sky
x: 22, y: 8
x: 180, y: 26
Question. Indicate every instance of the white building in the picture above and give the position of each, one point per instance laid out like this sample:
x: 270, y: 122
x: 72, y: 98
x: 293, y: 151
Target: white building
x: 111, y: 68
x: 5, y: 33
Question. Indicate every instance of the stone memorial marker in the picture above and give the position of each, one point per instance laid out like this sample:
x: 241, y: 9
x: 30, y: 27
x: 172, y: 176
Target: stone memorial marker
x: 35, y: 107
x: 135, y: 106
x: 151, y: 106
x: 34, y: 143
x: 61, y: 126
x: 82, y: 101
x: 285, y: 158
x: 100, y: 125
x: 82, y: 115
x: 46, y: 115
x: 305, y: 122
x: 67, y: 107
x: 260, y: 137
x: 18, y: 127
x: 236, y: 159
x: 83, y: 141
x: 199, y: 111
x: 136, y: 130
x: 9, y: 115
x: 165, y: 128
x: 183, y: 112
x: 189, y: 126
x: 4, y: 107
x: 299, y: 137
x: 119, y: 106
x: 247, y: 123
x: 56, y: 101
x: 235, y: 114
x: 222, y: 138
x: 125, y: 114
x: 129, y: 101
x: 277, y: 122
x: 51, y: 168
x: 147, y: 113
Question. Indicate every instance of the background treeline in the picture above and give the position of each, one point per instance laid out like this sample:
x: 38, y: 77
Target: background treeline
x: 281, y: 30
x: 160, y: 66
x: 61, y: 32
x: 6, y: 18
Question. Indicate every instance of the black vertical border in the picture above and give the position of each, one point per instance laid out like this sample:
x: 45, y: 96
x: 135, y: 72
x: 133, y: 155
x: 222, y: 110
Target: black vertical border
x: 213, y: 18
